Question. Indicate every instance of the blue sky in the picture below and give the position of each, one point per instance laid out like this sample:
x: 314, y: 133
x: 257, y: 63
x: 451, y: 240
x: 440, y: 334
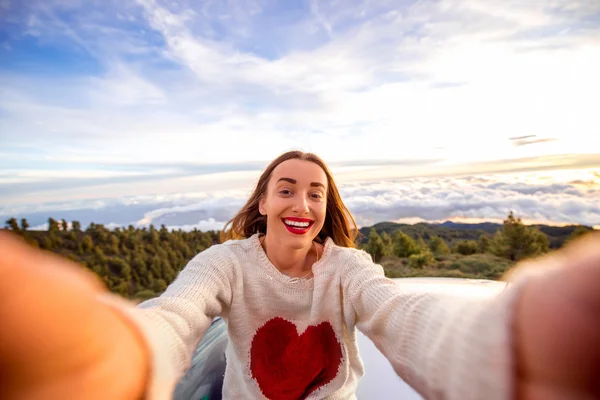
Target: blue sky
x: 112, y: 110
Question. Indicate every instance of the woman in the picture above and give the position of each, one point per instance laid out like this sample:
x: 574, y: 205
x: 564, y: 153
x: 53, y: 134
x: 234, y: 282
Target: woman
x: 292, y: 290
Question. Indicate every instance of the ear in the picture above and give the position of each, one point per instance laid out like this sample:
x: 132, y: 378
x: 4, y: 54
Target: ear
x: 261, y: 205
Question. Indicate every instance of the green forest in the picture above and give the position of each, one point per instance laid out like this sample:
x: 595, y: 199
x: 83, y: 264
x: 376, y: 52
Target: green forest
x: 139, y: 263
x: 480, y: 251
x: 133, y: 262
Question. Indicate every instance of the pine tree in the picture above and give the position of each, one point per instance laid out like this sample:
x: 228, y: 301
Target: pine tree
x: 375, y: 246
x: 516, y: 241
x: 52, y: 225
x: 421, y: 244
x: 388, y: 244
x: 438, y: 246
x: 404, y: 245
x: 484, y: 243
x: 13, y: 225
x: 76, y: 226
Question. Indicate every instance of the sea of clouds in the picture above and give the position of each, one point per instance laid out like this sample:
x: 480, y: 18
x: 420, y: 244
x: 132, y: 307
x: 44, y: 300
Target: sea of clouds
x: 535, y: 197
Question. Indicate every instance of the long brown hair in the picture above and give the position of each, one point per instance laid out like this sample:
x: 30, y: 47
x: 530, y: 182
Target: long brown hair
x: 339, y: 224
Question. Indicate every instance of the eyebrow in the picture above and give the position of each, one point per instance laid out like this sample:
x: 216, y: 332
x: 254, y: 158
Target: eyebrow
x: 293, y: 182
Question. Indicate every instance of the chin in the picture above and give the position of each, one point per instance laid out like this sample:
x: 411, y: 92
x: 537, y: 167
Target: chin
x: 297, y: 241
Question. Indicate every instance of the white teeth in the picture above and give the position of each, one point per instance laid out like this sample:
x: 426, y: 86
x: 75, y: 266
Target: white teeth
x: 298, y: 224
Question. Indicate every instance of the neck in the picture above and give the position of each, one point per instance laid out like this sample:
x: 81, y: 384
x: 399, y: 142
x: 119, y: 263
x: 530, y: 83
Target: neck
x: 292, y: 262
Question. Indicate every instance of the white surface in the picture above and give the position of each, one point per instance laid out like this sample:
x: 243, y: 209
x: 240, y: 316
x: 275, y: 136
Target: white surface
x: 380, y: 380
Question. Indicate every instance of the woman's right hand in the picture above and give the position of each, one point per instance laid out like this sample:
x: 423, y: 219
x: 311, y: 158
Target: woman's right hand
x: 57, y: 341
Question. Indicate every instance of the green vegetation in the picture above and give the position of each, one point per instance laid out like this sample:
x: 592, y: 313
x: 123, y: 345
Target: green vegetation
x: 140, y: 263
x: 452, y: 233
x: 134, y: 263
x: 474, y: 266
x: 453, y: 250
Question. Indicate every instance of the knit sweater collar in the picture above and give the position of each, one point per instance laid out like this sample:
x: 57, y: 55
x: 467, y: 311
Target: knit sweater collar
x: 274, y: 274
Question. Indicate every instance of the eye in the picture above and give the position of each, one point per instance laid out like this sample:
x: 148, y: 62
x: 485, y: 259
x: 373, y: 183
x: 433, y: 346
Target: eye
x: 285, y: 192
x: 317, y: 195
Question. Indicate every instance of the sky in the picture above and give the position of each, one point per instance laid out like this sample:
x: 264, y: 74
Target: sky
x: 164, y: 112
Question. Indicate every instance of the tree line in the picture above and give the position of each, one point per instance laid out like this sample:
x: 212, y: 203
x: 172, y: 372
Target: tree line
x: 513, y: 241
x: 133, y: 262
x: 140, y: 263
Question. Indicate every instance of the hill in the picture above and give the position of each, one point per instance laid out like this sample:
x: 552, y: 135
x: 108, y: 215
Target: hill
x: 453, y: 232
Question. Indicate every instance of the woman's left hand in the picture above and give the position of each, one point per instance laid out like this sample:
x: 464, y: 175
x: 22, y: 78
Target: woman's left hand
x: 557, y: 325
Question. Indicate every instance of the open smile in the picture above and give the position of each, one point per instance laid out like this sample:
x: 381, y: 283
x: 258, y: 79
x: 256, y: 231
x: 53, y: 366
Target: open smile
x: 296, y: 225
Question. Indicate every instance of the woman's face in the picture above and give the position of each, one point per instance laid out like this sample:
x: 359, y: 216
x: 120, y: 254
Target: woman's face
x: 295, y: 202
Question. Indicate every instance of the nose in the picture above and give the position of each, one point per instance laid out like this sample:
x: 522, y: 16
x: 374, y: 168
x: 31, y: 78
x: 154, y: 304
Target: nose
x: 301, y: 205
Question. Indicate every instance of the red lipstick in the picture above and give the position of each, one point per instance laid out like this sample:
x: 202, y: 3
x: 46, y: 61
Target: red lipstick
x: 297, y: 228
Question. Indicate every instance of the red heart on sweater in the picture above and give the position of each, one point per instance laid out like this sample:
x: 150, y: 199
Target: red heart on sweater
x: 291, y: 366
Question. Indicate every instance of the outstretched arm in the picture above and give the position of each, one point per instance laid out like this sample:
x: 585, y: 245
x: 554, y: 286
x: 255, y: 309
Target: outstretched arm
x: 446, y: 346
x: 57, y: 340
x: 538, y: 339
x: 175, y: 322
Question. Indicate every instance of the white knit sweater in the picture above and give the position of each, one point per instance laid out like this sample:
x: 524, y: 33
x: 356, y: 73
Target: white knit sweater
x: 293, y: 339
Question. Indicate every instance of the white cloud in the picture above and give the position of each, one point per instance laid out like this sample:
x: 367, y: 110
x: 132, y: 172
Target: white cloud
x: 314, y: 9
x: 42, y: 227
x: 217, y: 63
x: 30, y: 175
x: 122, y: 87
x: 435, y: 200
x: 210, y: 204
x: 204, y: 225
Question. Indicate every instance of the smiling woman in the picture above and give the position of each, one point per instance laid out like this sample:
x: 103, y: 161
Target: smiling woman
x: 298, y: 206
x: 294, y: 208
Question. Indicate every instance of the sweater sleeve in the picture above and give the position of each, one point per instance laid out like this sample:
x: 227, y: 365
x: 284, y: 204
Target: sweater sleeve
x: 446, y: 346
x: 172, y: 324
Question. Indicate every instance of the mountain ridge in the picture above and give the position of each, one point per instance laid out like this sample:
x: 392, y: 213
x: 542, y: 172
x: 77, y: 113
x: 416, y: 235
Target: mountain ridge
x: 453, y: 232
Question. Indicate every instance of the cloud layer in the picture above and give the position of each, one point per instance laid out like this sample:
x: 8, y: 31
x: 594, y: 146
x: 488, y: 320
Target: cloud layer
x: 551, y: 197
x: 480, y: 198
